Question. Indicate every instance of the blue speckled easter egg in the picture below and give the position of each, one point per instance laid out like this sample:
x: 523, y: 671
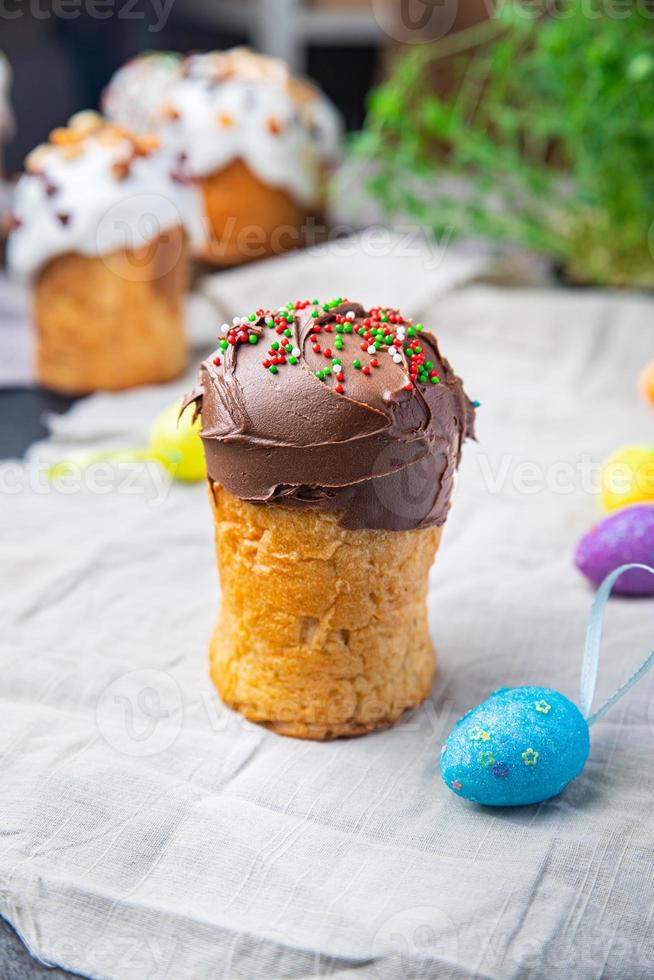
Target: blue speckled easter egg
x: 522, y: 745
x: 624, y: 537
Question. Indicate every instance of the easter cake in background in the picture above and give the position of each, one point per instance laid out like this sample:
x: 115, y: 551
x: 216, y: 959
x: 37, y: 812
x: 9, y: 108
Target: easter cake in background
x: 137, y: 94
x: 332, y: 434
x: 255, y: 142
x: 97, y: 229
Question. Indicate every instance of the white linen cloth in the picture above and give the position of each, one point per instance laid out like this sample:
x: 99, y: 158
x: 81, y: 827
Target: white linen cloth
x: 16, y: 337
x: 148, y: 832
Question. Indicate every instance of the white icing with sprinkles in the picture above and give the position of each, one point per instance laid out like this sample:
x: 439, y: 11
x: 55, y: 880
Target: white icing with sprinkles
x: 89, y: 193
x: 224, y: 106
x: 137, y: 94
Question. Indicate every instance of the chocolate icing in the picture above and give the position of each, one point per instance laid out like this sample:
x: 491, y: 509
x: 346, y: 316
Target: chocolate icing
x: 379, y: 455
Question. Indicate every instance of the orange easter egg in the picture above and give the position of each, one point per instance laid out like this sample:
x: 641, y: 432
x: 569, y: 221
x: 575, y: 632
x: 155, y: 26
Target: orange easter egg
x: 646, y: 383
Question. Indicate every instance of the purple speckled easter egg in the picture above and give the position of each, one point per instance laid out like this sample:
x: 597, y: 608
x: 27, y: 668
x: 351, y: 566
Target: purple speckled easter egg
x: 622, y: 537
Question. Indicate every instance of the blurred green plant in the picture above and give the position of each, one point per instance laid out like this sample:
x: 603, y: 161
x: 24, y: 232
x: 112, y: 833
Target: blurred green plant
x: 550, y: 123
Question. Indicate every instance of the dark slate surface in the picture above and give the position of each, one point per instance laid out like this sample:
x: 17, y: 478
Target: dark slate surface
x: 21, y: 418
x: 17, y: 964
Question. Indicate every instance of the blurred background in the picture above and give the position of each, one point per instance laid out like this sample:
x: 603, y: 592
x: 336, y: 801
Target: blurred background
x: 63, y: 53
x: 527, y: 123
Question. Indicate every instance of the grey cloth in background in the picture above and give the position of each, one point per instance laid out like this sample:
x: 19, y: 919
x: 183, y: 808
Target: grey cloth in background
x: 16, y: 339
x: 148, y: 832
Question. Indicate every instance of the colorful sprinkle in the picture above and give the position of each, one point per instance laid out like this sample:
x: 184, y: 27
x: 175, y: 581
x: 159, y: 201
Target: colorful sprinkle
x: 379, y: 330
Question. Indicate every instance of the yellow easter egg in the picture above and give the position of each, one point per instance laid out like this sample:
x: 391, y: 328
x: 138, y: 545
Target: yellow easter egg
x: 646, y: 383
x: 178, y: 445
x: 627, y: 477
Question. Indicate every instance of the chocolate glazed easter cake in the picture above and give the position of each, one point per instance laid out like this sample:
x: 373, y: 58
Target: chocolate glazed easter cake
x: 332, y: 434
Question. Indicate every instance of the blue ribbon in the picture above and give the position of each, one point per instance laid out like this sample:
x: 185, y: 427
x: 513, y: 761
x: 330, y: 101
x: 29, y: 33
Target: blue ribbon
x: 590, y: 664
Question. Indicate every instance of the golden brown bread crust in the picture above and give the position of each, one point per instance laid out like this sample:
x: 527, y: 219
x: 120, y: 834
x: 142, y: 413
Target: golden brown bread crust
x: 248, y: 220
x: 322, y: 631
x: 114, y: 321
